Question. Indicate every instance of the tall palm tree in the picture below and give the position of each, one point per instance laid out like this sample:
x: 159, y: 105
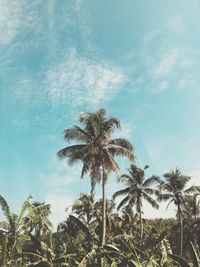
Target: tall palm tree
x: 96, y: 150
x: 174, y: 191
x: 137, y: 189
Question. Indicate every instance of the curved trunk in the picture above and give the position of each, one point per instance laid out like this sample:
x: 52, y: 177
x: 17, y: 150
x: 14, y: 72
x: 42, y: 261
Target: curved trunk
x: 180, y: 229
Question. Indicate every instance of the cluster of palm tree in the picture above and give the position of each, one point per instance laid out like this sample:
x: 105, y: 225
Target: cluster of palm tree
x: 106, y: 232
x: 97, y: 151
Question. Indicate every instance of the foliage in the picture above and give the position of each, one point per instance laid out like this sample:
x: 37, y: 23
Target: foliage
x: 95, y: 233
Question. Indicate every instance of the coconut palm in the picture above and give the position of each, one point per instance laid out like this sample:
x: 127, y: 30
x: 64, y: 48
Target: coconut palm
x: 174, y: 191
x: 96, y: 150
x: 112, y: 218
x: 137, y: 189
x: 84, y: 207
x: 129, y: 219
x: 192, y: 206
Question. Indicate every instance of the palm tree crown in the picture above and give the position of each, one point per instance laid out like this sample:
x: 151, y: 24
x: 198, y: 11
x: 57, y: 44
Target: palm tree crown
x: 96, y: 150
x: 174, y: 188
x: 137, y: 189
x: 174, y: 191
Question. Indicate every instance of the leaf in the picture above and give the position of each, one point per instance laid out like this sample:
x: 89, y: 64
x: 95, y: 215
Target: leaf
x: 180, y: 260
x: 195, y: 256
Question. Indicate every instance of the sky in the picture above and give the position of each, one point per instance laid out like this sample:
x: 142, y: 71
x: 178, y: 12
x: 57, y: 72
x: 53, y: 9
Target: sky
x: 138, y: 59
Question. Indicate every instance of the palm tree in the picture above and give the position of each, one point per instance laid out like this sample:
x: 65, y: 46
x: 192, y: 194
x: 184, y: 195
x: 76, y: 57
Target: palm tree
x: 129, y: 219
x: 192, y: 206
x: 84, y: 207
x: 174, y: 190
x: 112, y: 218
x: 96, y: 150
x: 138, y: 188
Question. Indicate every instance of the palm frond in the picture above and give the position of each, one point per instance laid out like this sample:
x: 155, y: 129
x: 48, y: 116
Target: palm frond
x: 75, y: 133
x: 117, y: 150
x: 121, y: 192
x: 122, y: 142
x: 191, y: 190
x: 151, y: 201
x: 165, y: 196
x: 149, y: 191
x: 74, y: 151
x: 109, y: 163
x: 172, y: 200
x: 111, y: 124
x: 123, y: 202
x: 151, y: 181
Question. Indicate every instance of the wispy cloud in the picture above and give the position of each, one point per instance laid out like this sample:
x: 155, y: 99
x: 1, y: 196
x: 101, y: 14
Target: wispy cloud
x: 78, y: 81
x: 15, y: 15
x: 166, y: 64
x: 11, y: 13
x: 83, y: 81
x: 162, y: 64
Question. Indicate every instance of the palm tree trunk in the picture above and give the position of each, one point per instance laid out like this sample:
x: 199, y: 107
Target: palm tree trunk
x: 141, y: 225
x: 181, y: 230
x: 103, y: 210
x: 103, y: 215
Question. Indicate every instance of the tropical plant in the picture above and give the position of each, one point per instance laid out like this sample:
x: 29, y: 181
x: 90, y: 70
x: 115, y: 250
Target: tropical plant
x: 84, y: 207
x: 16, y: 232
x: 129, y: 219
x: 96, y: 150
x: 42, y: 224
x: 174, y: 190
x: 137, y: 189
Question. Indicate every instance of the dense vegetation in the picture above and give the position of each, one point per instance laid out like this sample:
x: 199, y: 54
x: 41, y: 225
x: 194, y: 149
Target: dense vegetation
x: 106, y: 232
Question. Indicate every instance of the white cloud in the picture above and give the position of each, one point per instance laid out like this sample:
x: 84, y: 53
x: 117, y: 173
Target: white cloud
x: 11, y: 12
x: 166, y: 65
x: 79, y: 80
x: 162, y: 62
x: 76, y: 81
x: 14, y: 16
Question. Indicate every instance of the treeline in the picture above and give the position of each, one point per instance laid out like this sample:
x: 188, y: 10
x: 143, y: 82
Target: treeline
x: 106, y: 232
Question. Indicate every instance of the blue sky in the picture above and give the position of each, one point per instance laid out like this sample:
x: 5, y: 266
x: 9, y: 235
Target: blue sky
x: 138, y: 59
